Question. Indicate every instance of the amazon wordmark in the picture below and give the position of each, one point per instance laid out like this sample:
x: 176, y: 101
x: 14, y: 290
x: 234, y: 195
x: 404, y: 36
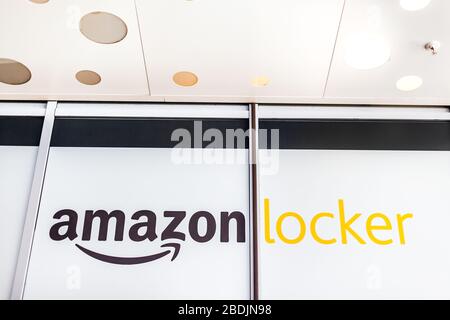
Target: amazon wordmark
x: 202, y: 225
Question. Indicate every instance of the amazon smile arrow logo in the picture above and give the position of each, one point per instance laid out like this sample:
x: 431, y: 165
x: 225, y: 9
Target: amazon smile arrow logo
x: 142, y: 227
x: 132, y: 260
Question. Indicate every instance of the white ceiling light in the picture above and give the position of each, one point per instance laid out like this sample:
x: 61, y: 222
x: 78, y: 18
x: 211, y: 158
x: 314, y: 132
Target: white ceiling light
x: 364, y: 51
x: 409, y: 83
x: 414, y: 5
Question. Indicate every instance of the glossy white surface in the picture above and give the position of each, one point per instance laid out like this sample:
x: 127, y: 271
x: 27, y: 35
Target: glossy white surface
x: 391, y: 182
x: 16, y: 172
x: 133, y: 179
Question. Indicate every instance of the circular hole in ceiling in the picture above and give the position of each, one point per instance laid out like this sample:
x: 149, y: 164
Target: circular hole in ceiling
x: 88, y: 77
x: 39, y: 1
x: 185, y: 78
x: 260, y: 81
x: 13, y: 72
x: 103, y: 27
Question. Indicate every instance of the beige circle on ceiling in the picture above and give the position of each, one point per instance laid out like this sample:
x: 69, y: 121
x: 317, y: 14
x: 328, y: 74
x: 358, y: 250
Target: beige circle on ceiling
x: 39, y: 1
x: 103, y: 27
x: 260, y: 81
x: 88, y: 77
x: 13, y: 72
x: 185, y: 78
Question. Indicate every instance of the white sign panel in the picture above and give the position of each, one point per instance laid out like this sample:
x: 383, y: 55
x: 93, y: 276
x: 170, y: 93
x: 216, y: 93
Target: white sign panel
x: 139, y: 223
x: 16, y: 173
x: 355, y: 224
x: 19, y: 140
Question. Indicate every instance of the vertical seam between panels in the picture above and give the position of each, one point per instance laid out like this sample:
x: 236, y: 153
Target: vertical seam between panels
x: 142, y: 48
x: 334, y: 49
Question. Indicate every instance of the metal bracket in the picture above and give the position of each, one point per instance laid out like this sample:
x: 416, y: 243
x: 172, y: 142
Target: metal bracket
x: 33, y: 204
x: 254, y: 202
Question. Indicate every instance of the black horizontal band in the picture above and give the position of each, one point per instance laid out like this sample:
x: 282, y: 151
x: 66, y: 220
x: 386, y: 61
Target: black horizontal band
x: 140, y: 133
x: 20, y: 131
x: 196, y: 307
x: 293, y: 133
x: 357, y: 134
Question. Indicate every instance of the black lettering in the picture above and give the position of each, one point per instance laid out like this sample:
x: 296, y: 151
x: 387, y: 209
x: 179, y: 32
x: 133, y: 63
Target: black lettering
x: 104, y: 222
x: 170, y: 231
x: 71, y: 224
x: 210, y: 226
x: 225, y: 218
x: 150, y: 226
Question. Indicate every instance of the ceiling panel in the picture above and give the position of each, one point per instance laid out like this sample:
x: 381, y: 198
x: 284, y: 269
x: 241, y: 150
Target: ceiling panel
x: 228, y: 43
x: 404, y: 33
x: 46, y: 38
x: 291, y: 44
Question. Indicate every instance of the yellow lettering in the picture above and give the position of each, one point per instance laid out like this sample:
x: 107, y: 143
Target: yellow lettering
x: 267, y: 236
x: 375, y: 222
x: 314, y: 231
x: 401, y: 231
x: 345, y: 225
x: 301, y: 222
x: 370, y: 227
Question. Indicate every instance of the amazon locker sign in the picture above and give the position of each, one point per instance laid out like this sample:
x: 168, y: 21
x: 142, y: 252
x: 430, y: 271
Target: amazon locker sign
x: 120, y: 219
x: 342, y: 216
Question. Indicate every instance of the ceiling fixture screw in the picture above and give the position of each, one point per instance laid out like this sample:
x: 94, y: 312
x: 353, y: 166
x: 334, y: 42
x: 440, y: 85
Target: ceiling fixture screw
x: 433, y: 46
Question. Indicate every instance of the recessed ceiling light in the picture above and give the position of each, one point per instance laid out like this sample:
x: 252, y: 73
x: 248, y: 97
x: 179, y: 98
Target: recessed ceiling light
x: 260, y: 81
x: 185, y: 78
x: 409, y: 83
x: 88, y: 77
x: 366, y: 51
x: 103, y: 27
x: 414, y: 5
x: 13, y: 72
x: 39, y: 1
